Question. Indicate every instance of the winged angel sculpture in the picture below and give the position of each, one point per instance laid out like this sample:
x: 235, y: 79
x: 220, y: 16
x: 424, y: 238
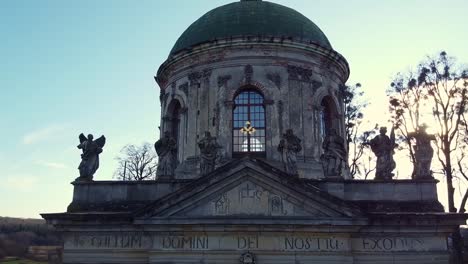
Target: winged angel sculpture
x: 90, y: 157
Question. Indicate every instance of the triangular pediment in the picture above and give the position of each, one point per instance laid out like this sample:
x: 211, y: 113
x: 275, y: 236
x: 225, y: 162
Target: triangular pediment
x: 249, y: 188
x: 249, y: 198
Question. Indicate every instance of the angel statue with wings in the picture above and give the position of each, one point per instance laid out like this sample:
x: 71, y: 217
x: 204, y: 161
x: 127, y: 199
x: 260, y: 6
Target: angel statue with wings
x: 90, y: 157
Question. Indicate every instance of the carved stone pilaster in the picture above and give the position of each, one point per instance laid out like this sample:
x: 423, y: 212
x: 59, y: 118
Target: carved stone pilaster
x: 164, y: 99
x: 275, y: 78
x: 206, y: 74
x: 280, y: 116
x: 248, y: 73
x: 184, y: 88
x: 194, y: 78
x: 299, y: 73
x: 173, y: 89
x: 216, y: 115
x: 222, y: 80
x: 167, y: 118
x: 161, y: 95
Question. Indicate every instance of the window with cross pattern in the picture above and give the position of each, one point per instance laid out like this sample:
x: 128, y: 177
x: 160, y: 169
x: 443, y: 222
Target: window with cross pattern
x: 248, y: 123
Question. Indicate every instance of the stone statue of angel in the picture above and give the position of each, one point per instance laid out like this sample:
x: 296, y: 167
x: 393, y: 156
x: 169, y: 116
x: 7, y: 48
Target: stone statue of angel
x: 90, y: 158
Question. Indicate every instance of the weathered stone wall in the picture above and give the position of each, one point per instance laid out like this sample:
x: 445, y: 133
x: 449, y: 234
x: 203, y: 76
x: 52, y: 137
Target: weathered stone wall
x: 129, y: 192
x: 293, y: 79
x: 268, y: 247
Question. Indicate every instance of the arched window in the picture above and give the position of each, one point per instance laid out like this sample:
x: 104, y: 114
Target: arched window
x: 173, y: 120
x: 326, y: 116
x: 248, y: 132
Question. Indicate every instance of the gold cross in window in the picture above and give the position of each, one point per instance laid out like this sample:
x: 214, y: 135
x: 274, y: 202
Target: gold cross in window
x: 247, y: 129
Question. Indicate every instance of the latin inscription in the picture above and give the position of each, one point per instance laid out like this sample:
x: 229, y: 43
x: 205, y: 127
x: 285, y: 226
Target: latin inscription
x: 391, y: 244
x: 185, y: 242
x: 277, y: 242
x: 313, y: 244
x: 124, y: 241
x: 247, y: 242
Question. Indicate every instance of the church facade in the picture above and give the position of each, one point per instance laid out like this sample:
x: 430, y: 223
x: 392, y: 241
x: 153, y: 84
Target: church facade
x: 249, y: 94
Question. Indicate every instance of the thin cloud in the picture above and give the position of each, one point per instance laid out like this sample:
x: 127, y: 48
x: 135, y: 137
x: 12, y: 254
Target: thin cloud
x: 52, y: 165
x: 21, y: 183
x: 42, y: 134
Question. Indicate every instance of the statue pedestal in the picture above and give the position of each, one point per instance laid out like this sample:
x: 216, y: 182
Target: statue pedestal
x: 165, y: 177
x: 334, y: 178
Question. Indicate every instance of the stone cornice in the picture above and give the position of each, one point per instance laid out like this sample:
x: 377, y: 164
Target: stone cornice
x: 330, y: 56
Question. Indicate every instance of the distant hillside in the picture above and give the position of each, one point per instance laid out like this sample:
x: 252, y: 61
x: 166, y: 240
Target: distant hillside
x: 21, y: 221
x: 17, y: 234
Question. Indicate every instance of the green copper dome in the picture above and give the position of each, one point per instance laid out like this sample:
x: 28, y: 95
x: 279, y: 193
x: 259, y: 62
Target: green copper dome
x: 251, y: 18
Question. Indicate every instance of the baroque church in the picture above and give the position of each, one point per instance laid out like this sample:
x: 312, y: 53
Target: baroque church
x: 250, y: 97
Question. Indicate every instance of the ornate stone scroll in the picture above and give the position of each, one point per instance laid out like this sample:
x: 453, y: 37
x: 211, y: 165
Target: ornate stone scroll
x: 299, y: 73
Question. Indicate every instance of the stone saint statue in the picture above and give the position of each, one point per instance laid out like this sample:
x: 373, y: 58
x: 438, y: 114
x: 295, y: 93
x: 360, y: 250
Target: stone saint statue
x: 334, y: 154
x: 166, y: 148
x: 90, y: 157
x: 383, y: 146
x: 208, y: 152
x: 289, y: 146
x: 423, y: 153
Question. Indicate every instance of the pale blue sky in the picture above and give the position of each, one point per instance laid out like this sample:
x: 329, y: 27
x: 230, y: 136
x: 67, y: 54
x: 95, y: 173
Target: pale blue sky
x: 68, y: 67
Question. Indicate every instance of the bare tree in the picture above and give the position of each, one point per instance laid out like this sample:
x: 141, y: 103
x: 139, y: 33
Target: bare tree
x: 137, y: 163
x: 448, y: 91
x: 445, y: 89
x: 407, y: 95
x: 461, y: 162
x: 361, y: 159
x: 355, y: 139
x: 353, y: 107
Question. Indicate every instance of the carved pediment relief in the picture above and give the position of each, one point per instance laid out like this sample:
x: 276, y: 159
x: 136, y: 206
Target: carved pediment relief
x: 248, y: 190
x: 248, y: 198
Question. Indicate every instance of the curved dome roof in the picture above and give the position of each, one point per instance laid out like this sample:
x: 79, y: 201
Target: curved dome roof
x: 251, y: 18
